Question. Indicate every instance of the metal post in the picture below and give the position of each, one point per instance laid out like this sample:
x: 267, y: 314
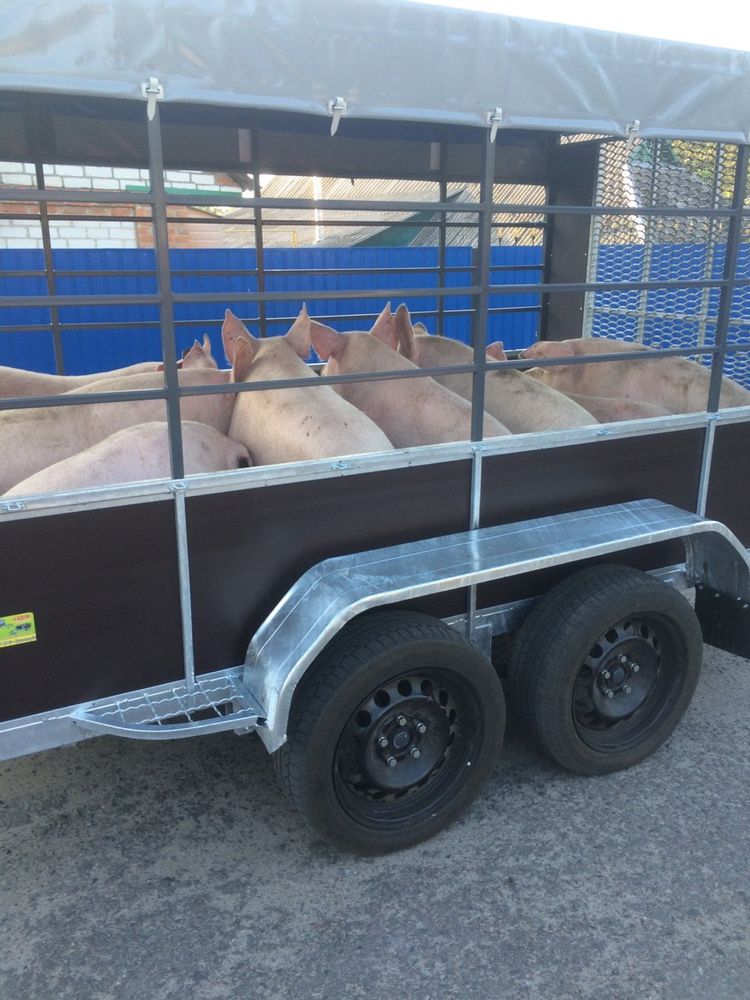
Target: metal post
x: 166, y: 300
x: 648, y: 246
x: 726, y: 294
x: 482, y: 280
x: 259, y: 254
x: 49, y: 274
x: 186, y: 604
x: 479, y: 339
x: 443, y: 196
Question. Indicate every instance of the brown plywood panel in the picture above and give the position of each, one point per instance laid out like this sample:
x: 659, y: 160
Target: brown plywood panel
x: 248, y: 548
x: 554, y: 481
x: 729, y: 489
x: 103, y: 587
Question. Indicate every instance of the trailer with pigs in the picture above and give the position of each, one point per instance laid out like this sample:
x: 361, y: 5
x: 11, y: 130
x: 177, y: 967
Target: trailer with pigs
x: 353, y: 611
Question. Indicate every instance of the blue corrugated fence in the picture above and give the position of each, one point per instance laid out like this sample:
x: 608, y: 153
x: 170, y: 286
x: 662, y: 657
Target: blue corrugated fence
x: 95, y: 339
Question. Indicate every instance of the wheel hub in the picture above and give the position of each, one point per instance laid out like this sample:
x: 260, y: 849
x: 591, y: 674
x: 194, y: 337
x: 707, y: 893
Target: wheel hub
x: 401, y: 734
x: 619, y: 673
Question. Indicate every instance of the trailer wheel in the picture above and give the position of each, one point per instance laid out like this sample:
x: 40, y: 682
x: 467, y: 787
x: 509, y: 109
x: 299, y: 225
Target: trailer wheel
x: 604, y: 667
x: 392, y: 733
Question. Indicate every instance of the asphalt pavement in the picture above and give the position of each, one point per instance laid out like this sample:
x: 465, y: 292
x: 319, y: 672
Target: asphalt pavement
x: 163, y: 871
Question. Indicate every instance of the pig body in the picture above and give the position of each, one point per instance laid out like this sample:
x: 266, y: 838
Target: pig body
x: 291, y: 425
x: 19, y: 383
x: 411, y: 412
x: 35, y: 438
x: 674, y: 384
x: 522, y: 404
x: 134, y: 454
x: 608, y: 409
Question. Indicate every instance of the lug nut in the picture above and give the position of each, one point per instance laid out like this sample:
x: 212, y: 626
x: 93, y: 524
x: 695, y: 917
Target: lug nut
x: 421, y: 728
x: 622, y: 658
x: 609, y: 694
x: 383, y: 742
x: 627, y: 689
x: 635, y: 667
x: 391, y: 762
x: 415, y: 752
x: 606, y: 675
x: 401, y: 720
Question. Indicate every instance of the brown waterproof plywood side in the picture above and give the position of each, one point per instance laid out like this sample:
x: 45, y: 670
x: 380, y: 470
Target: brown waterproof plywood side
x: 537, y: 484
x: 103, y: 587
x: 729, y: 485
x: 247, y: 548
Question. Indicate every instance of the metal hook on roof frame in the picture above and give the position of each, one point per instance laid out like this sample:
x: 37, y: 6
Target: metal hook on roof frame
x: 494, y: 122
x: 152, y: 91
x: 632, y: 133
x: 336, y: 108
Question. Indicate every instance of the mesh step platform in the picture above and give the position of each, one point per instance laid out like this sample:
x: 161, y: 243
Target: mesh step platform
x: 216, y: 702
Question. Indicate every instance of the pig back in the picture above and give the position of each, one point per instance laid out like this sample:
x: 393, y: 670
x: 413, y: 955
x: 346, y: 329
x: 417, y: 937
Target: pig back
x: 520, y: 403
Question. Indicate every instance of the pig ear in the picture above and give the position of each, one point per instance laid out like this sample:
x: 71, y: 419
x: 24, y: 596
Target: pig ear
x: 243, y: 355
x: 196, y: 357
x: 328, y: 343
x: 298, y: 336
x: 207, y: 345
x: 231, y: 329
x: 496, y: 352
x: 420, y: 328
x: 404, y: 332
x: 384, y: 327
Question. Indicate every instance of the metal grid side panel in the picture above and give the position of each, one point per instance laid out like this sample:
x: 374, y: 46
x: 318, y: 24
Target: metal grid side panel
x: 665, y: 174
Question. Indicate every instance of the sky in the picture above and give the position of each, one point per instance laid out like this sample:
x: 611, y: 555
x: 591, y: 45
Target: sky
x: 726, y: 25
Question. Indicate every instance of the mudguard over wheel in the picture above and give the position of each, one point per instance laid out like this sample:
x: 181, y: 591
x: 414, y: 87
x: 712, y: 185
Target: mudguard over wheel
x: 604, y: 667
x: 392, y: 733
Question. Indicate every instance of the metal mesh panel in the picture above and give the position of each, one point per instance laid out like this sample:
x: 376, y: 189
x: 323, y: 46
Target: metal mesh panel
x: 665, y: 174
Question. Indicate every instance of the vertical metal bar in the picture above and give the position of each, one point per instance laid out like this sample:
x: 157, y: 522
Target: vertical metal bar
x: 443, y: 197
x: 479, y: 339
x: 49, y: 272
x: 186, y: 605
x: 166, y: 301
x: 259, y: 251
x: 482, y: 280
x: 708, y: 266
x: 705, y: 474
x: 648, y: 246
x: 726, y: 294
x: 595, y: 236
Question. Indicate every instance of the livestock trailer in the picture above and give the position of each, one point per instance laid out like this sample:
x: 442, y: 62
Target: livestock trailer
x: 345, y: 609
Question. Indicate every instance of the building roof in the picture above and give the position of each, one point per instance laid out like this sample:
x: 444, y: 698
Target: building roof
x: 422, y: 228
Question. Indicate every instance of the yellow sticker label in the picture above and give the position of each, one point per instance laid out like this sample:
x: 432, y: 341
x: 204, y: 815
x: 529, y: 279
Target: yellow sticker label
x: 15, y: 629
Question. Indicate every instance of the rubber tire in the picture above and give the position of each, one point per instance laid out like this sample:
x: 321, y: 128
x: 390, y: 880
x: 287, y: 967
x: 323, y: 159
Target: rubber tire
x: 367, y: 652
x: 557, y: 635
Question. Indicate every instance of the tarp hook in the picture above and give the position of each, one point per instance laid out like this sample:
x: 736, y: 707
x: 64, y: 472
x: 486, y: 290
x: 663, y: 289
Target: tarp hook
x: 632, y: 133
x: 153, y: 91
x: 336, y: 108
x: 494, y: 122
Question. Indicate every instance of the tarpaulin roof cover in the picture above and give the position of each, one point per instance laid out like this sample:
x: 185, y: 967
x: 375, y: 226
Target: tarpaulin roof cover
x: 387, y: 58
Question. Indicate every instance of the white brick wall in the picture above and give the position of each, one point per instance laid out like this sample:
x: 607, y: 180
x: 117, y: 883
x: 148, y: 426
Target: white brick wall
x: 91, y: 232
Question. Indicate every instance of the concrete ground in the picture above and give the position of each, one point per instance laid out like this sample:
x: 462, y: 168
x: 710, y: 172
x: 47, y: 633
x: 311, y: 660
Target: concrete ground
x: 165, y: 871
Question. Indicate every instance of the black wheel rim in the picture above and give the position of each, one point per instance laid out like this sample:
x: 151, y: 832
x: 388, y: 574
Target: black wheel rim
x: 628, y: 682
x: 406, y: 748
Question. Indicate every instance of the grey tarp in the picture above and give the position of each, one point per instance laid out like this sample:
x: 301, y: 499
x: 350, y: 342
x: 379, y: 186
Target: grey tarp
x: 386, y: 58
